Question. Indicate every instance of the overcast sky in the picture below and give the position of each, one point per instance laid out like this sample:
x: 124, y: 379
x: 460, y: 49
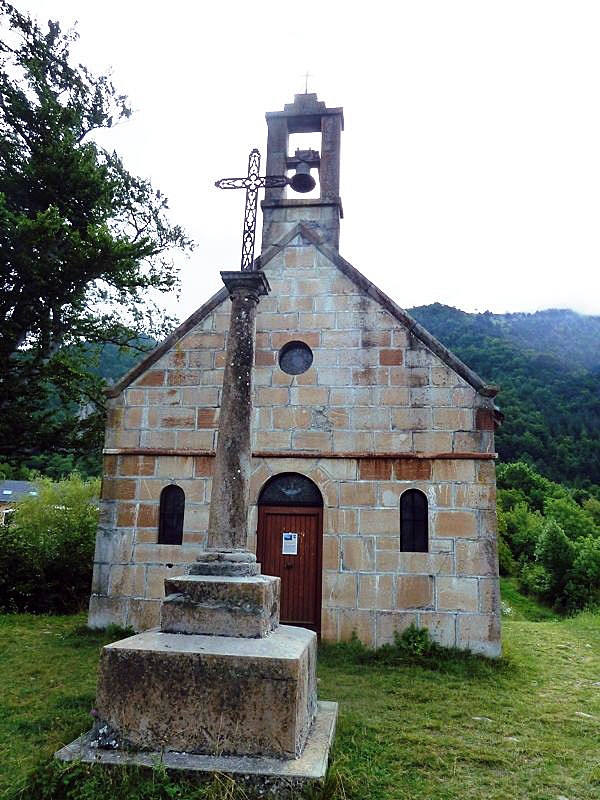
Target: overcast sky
x: 471, y: 151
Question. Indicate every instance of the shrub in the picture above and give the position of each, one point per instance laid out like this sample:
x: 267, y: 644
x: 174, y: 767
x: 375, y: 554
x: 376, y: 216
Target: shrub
x: 46, y: 551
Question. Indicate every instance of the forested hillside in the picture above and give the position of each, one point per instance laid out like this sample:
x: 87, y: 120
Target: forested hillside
x: 547, y: 365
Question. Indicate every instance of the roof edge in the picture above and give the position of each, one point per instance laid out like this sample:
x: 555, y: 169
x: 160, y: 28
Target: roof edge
x: 166, y: 344
x: 414, y: 327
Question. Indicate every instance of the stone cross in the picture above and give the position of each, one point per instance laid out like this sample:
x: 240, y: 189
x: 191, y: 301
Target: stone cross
x: 228, y: 515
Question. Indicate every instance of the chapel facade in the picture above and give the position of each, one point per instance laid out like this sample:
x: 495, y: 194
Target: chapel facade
x: 373, y: 476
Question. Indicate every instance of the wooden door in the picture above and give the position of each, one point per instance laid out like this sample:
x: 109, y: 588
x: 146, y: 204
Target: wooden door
x: 301, y: 573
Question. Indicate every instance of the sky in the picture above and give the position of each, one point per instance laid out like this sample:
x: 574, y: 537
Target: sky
x: 470, y: 169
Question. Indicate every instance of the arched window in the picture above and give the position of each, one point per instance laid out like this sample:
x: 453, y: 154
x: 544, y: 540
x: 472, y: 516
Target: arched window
x: 170, y: 522
x: 413, y: 522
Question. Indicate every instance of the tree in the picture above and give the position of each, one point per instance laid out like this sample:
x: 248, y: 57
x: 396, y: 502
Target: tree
x: 82, y: 241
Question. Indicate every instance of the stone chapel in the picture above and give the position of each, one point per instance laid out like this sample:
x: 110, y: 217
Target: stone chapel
x: 373, y: 476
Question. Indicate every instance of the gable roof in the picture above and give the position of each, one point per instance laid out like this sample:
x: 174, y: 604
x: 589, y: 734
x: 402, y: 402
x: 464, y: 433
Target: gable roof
x: 311, y: 236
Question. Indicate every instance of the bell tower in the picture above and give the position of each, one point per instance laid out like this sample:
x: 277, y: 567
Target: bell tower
x: 280, y: 210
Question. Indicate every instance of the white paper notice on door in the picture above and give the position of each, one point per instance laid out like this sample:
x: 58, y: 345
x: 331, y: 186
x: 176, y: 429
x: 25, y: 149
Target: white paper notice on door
x: 289, y: 544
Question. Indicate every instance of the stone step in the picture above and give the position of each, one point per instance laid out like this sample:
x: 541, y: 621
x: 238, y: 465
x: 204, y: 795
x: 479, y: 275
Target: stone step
x: 218, y: 605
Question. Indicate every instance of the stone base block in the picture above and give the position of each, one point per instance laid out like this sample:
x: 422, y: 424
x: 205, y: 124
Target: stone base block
x: 221, y: 606
x: 274, y: 777
x: 214, y: 695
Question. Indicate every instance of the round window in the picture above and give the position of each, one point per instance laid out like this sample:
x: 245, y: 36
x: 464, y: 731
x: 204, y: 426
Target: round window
x: 295, y: 358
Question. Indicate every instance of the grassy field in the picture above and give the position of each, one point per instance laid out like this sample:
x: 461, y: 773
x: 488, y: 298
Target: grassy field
x: 526, y: 727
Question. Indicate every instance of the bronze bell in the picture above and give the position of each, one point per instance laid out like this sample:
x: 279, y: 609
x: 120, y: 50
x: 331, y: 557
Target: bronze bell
x: 302, y: 181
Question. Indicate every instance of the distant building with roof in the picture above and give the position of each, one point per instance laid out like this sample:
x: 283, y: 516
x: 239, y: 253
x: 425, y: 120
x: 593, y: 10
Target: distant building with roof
x: 11, y: 492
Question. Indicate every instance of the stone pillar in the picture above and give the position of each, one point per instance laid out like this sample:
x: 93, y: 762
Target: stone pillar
x: 228, y: 517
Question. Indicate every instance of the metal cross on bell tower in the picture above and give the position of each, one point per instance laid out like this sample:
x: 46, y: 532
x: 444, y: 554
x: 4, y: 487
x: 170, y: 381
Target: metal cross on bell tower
x: 301, y: 182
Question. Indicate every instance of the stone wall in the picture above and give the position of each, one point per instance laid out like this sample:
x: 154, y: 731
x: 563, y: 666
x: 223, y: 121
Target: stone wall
x: 377, y: 413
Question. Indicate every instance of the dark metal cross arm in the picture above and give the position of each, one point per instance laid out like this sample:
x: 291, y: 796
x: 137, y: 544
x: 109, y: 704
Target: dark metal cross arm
x: 263, y: 182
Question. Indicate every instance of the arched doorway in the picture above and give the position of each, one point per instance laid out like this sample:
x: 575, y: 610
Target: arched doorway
x: 289, y: 543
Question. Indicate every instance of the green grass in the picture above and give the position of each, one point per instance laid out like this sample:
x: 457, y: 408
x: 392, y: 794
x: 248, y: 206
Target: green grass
x: 525, y: 728
x: 521, y: 606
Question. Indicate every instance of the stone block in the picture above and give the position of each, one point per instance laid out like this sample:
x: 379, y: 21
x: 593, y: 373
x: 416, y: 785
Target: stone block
x: 126, y: 514
x: 273, y: 440
x: 361, y: 623
x: 175, y: 467
x: 311, y: 338
x: 167, y: 439
x: 412, y: 469
x: 479, y: 633
x: 489, y: 596
x: 453, y: 469
x: 329, y: 624
x: 205, y: 359
x: 152, y: 377
x: 430, y: 563
x: 457, y: 594
x: 371, y: 376
x: 378, y: 469
x: 476, y: 495
x: 358, y: 494
x: 392, y: 396
x: 442, y: 495
x: 272, y: 395
x: 387, y: 560
x: 396, y: 442
x: 442, y: 627
x: 391, y: 357
x: 203, y: 466
x: 358, y: 553
x: 376, y: 592
x: 290, y: 417
x: 221, y: 605
x: 195, y: 440
x: 370, y: 419
x: 137, y: 465
x: 105, y: 611
x: 132, y: 417
x: 163, y: 397
x: 340, y: 520
x: 113, y: 546
x: 473, y: 442
x: 452, y: 419
x: 207, y: 417
x: 379, y: 521
x: 201, y: 694
x: 390, y: 623
x: 339, y: 590
x: 127, y: 580
x: 352, y: 441
x: 433, y: 441
x: 478, y: 558
x: 319, y: 441
x: 339, y: 469
x: 142, y: 615
x: 414, y: 591
x: 444, y: 376
x: 100, y: 579
x: 334, y: 376
x: 331, y: 552
x: 413, y: 419
x: 455, y: 523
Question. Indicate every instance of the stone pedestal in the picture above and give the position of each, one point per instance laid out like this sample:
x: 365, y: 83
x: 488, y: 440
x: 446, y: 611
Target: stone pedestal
x: 215, y: 695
